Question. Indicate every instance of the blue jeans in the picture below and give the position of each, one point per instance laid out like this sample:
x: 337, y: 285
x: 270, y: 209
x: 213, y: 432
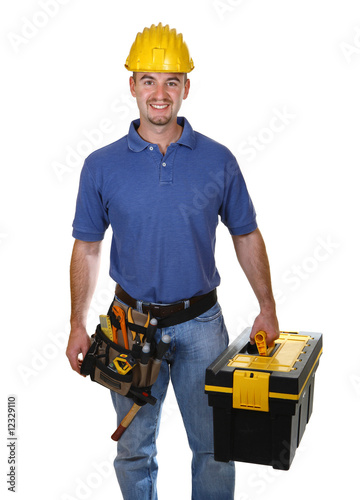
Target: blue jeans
x: 194, y: 345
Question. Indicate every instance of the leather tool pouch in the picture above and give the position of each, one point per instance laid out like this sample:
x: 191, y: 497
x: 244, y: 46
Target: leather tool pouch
x: 129, y: 329
x: 98, y: 362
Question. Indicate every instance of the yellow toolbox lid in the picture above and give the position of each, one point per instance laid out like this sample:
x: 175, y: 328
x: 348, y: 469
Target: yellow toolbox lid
x: 287, y: 350
x: 252, y: 379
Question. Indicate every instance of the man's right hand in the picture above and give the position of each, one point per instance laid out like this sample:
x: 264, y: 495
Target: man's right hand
x: 79, y: 343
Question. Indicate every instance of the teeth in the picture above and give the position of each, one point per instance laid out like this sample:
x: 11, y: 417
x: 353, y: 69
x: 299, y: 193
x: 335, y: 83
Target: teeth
x: 157, y: 106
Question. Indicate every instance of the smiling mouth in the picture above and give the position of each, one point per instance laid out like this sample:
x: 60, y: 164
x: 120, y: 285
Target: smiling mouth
x: 159, y: 106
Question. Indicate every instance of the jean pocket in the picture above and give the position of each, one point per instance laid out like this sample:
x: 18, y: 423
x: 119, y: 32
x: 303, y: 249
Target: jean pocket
x: 210, y: 315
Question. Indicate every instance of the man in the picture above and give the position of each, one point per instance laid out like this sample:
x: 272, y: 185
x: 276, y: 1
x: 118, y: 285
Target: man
x: 162, y: 189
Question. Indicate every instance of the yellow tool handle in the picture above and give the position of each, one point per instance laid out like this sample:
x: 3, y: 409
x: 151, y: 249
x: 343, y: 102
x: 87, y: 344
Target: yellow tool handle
x: 260, y: 339
x: 106, y: 328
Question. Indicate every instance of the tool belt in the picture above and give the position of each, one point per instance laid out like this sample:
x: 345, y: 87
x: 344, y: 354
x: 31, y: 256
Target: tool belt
x: 117, y: 359
x: 175, y: 313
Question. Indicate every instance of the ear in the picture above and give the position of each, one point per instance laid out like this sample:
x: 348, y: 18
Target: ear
x: 187, y: 89
x: 132, y: 86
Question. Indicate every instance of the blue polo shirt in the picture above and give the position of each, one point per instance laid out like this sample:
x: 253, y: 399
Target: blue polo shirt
x: 163, y: 211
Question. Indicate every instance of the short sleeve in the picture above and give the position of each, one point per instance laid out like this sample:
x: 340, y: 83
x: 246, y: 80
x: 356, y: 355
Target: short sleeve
x: 237, y: 211
x: 91, y: 218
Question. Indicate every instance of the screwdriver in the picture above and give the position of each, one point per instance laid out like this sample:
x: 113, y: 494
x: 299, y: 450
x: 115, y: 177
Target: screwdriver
x: 150, y: 332
x: 161, y: 348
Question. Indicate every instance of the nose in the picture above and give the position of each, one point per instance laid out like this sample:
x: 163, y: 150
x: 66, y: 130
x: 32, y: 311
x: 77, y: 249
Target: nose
x: 160, y: 93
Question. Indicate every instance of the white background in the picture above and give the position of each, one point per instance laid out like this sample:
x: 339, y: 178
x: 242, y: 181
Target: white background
x: 65, y: 93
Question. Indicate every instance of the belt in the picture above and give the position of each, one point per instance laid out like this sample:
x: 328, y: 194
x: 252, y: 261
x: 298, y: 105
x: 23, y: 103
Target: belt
x: 158, y: 310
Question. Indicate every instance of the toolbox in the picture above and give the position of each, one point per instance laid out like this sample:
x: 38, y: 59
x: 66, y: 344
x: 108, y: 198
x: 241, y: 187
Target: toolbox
x: 262, y: 403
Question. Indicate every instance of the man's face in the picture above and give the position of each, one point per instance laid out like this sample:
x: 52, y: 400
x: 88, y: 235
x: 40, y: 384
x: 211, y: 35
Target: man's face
x: 159, y: 95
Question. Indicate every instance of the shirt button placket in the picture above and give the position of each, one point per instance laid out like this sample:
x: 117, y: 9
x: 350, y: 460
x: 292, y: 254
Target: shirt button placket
x: 166, y: 169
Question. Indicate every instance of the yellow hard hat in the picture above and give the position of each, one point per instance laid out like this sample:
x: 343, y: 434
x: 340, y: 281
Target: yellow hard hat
x: 159, y: 49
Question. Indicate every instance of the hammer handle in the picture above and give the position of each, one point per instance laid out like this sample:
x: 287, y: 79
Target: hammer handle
x: 126, y: 421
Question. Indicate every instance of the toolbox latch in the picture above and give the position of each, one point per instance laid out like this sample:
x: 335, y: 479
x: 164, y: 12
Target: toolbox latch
x: 251, y: 390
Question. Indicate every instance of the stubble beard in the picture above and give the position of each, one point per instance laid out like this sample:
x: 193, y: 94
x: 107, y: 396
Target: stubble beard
x: 161, y: 120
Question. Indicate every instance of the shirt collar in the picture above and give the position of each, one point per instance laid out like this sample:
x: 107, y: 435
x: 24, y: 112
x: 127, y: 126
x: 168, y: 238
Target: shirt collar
x: 136, y: 143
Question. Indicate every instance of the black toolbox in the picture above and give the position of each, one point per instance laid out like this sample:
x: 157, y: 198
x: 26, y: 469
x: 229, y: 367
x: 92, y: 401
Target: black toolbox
x: 261, y: 404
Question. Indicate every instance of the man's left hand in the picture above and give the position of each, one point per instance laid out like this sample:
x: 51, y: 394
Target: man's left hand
x: 267, y: 322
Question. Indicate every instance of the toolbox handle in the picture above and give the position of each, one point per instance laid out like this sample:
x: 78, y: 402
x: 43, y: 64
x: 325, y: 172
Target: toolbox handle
x: 260, y: 340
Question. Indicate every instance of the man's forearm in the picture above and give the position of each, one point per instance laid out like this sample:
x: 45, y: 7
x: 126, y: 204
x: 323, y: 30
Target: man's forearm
x: 251, y: 253
x: 84, y: 270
